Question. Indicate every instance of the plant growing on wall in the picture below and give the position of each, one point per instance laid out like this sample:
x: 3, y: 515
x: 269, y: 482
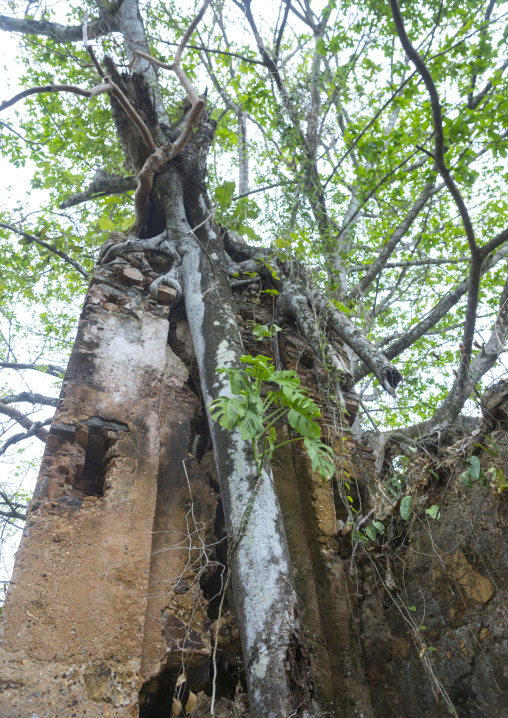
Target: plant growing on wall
x: 262, y: 398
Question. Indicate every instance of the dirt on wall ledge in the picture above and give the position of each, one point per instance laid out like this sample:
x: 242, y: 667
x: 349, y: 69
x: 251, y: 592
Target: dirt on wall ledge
x: 433, y: 593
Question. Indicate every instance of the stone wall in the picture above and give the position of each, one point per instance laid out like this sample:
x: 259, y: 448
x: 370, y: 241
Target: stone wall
x: 119, y: 574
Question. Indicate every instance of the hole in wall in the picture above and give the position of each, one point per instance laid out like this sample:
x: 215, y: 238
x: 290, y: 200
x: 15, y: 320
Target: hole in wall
x: 102, y: 434
x: 156, y: 695
x: 212, y: 583
x: 94, y: 472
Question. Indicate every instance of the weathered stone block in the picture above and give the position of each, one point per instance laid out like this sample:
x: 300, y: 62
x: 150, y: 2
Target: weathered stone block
x: 495, y: 401
x: 166, y: 295
x: 131, y: 276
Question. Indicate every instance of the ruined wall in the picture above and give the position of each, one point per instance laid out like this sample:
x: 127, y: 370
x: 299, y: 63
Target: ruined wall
x: 82, y: 626
x: 119, y: 574
x: 433, y: 594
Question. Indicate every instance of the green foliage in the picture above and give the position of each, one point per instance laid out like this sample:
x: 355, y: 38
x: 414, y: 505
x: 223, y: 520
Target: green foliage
x: 262, y: 331
x: 374, y: 529
x: 433, y: 512
x: 235, y: 214
x: 405, y: 507
x: 256, y: 417
x: 473, y: 473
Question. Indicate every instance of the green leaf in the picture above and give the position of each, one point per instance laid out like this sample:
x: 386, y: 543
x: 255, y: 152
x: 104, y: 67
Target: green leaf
x: 378, y: 526
x: 106, y: 224
x: 227, y: 411
x: 412, y: 608
x: 286, y: 378
x: 474, y: 470
x: 251, y: 425
x: 371, y: 532
x: 302, y: 424
x: 433, y: 512
x: 491, y: 452
x: 357, y: 536
x: 128, y: 222
x: 224, y: 194
x: 405, y: 507
x: 321, y: 457
x: 465, y: 479
x: 493, y: 443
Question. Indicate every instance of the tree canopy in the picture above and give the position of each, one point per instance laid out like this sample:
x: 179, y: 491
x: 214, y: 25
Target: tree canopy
x: 365, y: 140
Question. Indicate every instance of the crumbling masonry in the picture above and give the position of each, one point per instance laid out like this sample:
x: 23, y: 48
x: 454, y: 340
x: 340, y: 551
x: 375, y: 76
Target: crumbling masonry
x: 118, y: 577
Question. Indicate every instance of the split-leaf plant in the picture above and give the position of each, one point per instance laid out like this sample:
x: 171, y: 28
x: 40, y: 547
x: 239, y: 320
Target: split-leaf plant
x: 264, y: 396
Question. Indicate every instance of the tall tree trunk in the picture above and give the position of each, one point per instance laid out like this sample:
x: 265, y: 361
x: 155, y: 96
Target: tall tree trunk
x: 265, y: 598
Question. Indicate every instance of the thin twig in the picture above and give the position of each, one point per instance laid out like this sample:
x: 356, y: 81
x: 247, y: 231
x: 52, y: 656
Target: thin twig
x: 47, y: 246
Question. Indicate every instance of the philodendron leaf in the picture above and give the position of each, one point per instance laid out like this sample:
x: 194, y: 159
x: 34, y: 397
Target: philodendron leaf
x: 227, y: 411
x: 321, y: 457
x: 251, y: 425
x: 303, y: 425
x: 405, y: 507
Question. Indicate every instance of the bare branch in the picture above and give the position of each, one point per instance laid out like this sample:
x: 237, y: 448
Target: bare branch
x: 395, y: 238
x: 113, y: 88
x: 437, y: 313
x: 188, y: 33
x: 50, y: 369
x: 440, y: 164
x: 474, y: 77
x: 475, y: 101
x: 29, y: 397
x: 13, y: 514
x: 23, y: 420
x: 217, y: 52
x: 16, y: 438
x: 281, y: 29
x: 49, y: 247
x: 411, y: 263
x: 60, y: 33
x: 45, y: 88
x: 101, y: 186
x: 486, y: 358
x: 388, y: 376
x: 160, y: 155
x: 13, y: 506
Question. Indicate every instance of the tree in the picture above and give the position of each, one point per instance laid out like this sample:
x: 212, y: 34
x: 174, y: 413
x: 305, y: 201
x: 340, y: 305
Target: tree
x: 380, y: 158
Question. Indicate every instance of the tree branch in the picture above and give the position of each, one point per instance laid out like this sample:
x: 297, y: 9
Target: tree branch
x: 216, y: 52
x: 112, y: 87
x: 14, y: 513
x: 60, y: 33
x: 24, y: 421
x: 394, y: 240
x: 388, y: 376
x: 29, y: 397
x: 51, y: 369
x: 440, y: 164
x: 101, y: 186
x: 45, y: 88
x: 47, y: 246
x: 474, y: 77
x: 437, y: 313
x: 475, y: 101
x: 411, y: 263
x: 16, y: 438
x: 453, y: 403
x: 167, y: 152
